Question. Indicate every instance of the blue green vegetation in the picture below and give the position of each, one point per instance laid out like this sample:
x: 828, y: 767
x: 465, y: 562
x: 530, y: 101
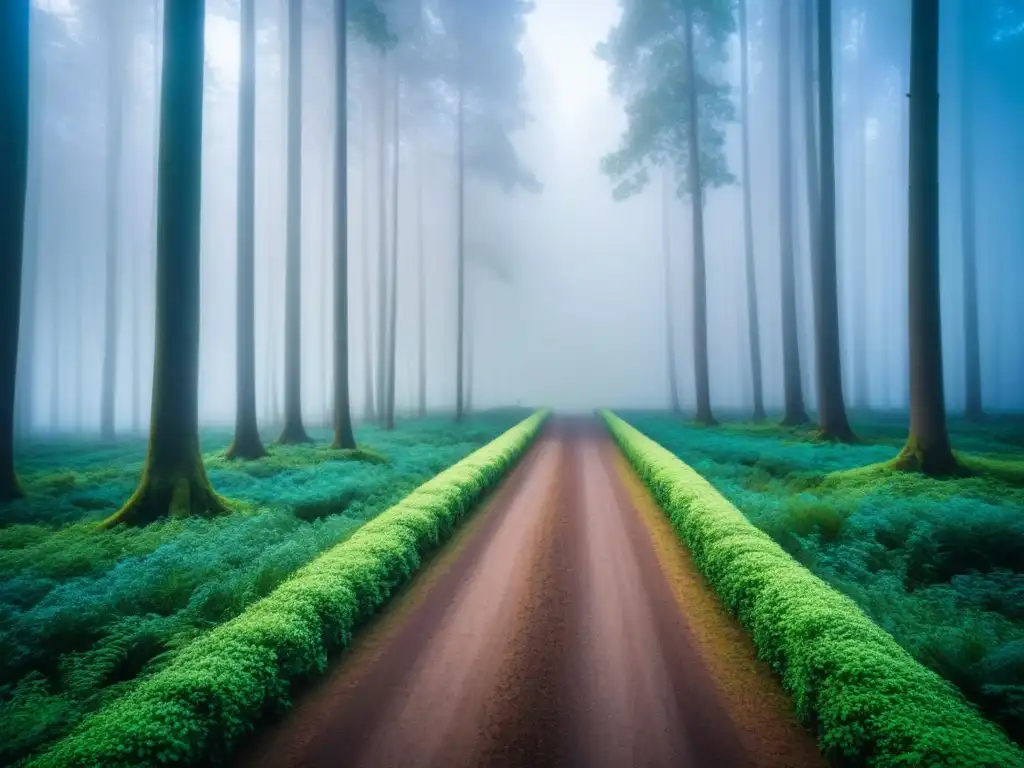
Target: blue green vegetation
x: 939, y: 564
x: 192, y: 711
x: 86, y: 615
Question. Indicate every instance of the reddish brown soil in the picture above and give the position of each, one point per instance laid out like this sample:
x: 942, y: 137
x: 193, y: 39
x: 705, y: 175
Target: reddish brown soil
x: 552, y: 631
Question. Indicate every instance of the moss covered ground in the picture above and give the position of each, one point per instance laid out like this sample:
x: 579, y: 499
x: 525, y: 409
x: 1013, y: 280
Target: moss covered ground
x: 939, y: 564
x: 86, y: 615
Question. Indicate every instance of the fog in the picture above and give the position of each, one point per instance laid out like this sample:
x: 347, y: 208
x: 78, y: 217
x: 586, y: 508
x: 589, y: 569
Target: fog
x: 565, y: 299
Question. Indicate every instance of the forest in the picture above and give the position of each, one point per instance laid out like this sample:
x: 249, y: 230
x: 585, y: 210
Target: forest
x: 354, y: 352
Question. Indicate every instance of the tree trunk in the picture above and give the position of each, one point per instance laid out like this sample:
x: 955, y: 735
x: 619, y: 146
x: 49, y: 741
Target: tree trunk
x: 382, y: 244
x: 927, y: 447
x: 700, y: 300
x: 832, y: 421
x: 293, y: 430
x: 247, y: 443
x: 58, y: 278
x: 468, y: 373
x: 794, y: 399
x: 326, y: 283
x: 859, y: 254
x: 174, y: 481
x: 422, y: 279
x: 972, y: 352
x: 753, y: 326
x: 368, y: 411
x: 666, y: 250
x: 14, y: 132
x: 341, y: 407
x: 389, y: 422
x: 27, y: 346
x: 460, y: 250
x: 115, y: 126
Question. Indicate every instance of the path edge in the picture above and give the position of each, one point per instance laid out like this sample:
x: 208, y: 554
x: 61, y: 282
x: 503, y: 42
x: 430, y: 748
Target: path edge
x: 194, y: 711
x: 867, y: 699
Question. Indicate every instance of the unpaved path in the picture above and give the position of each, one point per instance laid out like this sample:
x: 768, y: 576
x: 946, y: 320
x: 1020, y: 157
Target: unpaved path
x: 563, y: 626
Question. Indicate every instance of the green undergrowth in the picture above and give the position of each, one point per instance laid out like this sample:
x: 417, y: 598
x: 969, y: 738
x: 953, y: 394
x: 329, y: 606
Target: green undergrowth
x: 939, y: 564
x: 193, y: 710
x: 86, y: 615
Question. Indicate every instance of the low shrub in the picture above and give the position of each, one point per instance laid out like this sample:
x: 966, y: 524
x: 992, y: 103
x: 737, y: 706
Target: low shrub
x: 866, y: 697
x: 194, y: 709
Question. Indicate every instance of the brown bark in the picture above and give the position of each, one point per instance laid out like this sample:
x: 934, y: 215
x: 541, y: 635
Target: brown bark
x: 14, y: 132
x: 832, y: 421
x: 293, y: 430
x: 174, y: 481
x: 753, y: 326
x: 928, y: 448
x: 795, y: 413
x: 700, y: 300
x: 247, y: 443
x: 341, y: 407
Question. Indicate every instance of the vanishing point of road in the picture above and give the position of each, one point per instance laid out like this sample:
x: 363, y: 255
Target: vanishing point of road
x: 564, y: 625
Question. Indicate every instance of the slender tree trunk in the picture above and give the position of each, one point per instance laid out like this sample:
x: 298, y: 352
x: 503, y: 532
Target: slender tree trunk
x: 293, y: 430
x: 832, y: 421
x: 174, y: 481
x: 27, y: 346
x: 14, y: 142
x: 972, y: 351
x: 666, y: 251
x: 753, y: 326
x: 341, y: 407
x: 422, y: 279
x: 58, y: 279
x: 794, y: 399
x: 382, y: 244
x: 700, y: 300
x: 368, y: 411
x: 927, y: 447
x: 247, y: 443
x: 151, y: 261
x: 326, y: 283
x: 115, y: 126
x: 460, y: 251
x: 858, y: 215
x: 469, y: 354
x: 393, y: 271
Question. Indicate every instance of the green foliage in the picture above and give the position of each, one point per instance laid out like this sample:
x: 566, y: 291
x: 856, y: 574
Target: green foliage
x: 647, y: 54
x: 86, y: 615
x: 936, y: 563
x: 867, y: 698
x: 200, y: 702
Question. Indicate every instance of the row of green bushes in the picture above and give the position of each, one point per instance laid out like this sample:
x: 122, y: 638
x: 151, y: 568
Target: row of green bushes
x: 194, y: 710
x: 867, y: 699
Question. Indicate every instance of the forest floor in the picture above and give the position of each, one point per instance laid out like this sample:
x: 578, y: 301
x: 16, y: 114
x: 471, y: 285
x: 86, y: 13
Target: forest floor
x: 564, y: 625
x: 939, y: 564
x: 85, y: 615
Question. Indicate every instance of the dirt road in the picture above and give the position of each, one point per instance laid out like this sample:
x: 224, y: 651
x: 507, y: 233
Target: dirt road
x: 562, y: 627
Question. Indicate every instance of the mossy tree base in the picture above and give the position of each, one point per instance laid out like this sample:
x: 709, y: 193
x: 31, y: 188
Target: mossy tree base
x: 175, y: 495
x: 246, y: 447
x: 10, y: 487
x: 842, y: 434
x: 936, y: 462
x: 293, y: 434
x: 797, y: 419
x: 706, y: 419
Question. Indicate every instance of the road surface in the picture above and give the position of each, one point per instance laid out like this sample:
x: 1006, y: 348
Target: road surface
x: 565, y: 625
